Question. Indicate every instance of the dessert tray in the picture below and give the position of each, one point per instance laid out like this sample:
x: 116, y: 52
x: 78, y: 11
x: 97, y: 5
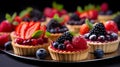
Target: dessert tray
x: 48, y: 59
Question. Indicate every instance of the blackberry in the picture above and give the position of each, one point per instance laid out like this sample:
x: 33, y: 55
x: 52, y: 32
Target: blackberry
x: 74, y: 17
x: 98, y: 30
x: 26, y: 19
x: 117, y: 20
x: 36, y: 13
x: 66, y: 36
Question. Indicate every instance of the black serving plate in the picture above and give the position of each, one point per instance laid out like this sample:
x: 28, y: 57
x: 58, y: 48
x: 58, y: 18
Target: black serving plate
x: 90, y: 58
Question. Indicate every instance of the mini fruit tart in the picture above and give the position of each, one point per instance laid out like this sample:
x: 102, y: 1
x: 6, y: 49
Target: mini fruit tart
x: 30, y: 37
x: 55, y: 28
x: 68, y: 48
x: 100, y: 38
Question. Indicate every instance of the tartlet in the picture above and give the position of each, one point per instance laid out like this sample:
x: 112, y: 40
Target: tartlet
x: 66, y: 50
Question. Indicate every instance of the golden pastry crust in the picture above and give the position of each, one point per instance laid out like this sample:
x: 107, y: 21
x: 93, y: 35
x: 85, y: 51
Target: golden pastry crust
x: 55, y: 36
x: 13, y: 35
x: 68, y: 56
x: 26, y: 50
x: 74, y: 28
x: 107, y: 47
x: 104, y: 17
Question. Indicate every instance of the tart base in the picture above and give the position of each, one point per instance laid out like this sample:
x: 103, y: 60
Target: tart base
x: 68, y: 56
x: 107, y: 47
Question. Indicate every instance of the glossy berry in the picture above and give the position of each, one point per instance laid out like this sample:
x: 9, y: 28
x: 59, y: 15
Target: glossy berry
x: 8, y: 45
x: 55, y: 44
x: 98, y: 53
x: 93, y: 37
x: 104, y: 7
x: 69, y: 47
x: 41, y: 53
x: 114, y: 36
x: 40, y: 41
x: 74, y: 17
x: 66, y: 42
x: 108, y: 37
x: 34, y: 42
x: 86, y: 35
x: 45, y: 40
x: 19, y: 40
x: 79, y: 42
x: 26, y: 19
x: 61, y: 46
x: 101, y: 38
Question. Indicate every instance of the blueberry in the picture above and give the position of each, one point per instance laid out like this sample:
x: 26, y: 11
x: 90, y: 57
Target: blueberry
x: 8, y: 45
x: 108, y: 37
x: 35, y: 19
x: 98, y: 53
x: 61, y: 46
x: 41, y: 53
x: 55, y: 44
x: 114, y: 36
x: 87, y: 35
x: 93, y: 37
x: 109, y: 12
x: 101, y: 38
x: 52, y: 30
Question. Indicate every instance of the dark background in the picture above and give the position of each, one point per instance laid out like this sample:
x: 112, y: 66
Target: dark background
x: 70, y: 5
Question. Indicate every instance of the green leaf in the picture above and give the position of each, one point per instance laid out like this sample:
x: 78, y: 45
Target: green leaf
x: 73, y: 33
x: 14, y: 15
x: 91, y: 6
x: 56, y: 17
x: 79, y: 9
x: 116, y: 14
x: 24, y: 12
x: 37, y: 34
x: 89, y: 24
x: 8, y: 17
x: 57, y: 6
x: 98, y: 7
x: 47, y: 33
x: 15, y: 23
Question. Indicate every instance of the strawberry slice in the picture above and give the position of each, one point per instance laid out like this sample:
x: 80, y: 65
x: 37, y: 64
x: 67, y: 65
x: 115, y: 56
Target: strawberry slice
x: 18, y: 28
x: 23, y: 30
x: 43, y: 28
x: 31, y: 23
x: 31, y: 30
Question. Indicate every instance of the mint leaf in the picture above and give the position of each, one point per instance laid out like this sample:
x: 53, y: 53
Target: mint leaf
x: 24, y: 12
x: 13, y: 16
x: 90, y: 6
x: 37, y: 34
x: 8, y: 17
x: 47, y: 33
x: 89, y: 24
x: 57, y: 6
x: 15, y: 23
x: 79, y: 9
x: 73, y: 33
x: 56, y: 17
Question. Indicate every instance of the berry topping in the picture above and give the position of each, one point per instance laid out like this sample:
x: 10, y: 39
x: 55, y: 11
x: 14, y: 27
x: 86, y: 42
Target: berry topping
x: 8, y: 45
x: 98, y: 53
x: 55, y: 44
x: 117, y: 20
x: 41, y: 53
x: 79, y: 42
x: 55, y: 27
x: 98, y: 30
x: 99, y: 33
x: 66, y: 36
x: 3, y: 39
x: 111, y: 26
x: 74, y: 17
x: 61, y: 46
x: 104, y: 7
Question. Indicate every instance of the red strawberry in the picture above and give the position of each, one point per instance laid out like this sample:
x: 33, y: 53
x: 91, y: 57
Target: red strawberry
x: 5, y: 26
x: 63, y: 12
x: 65, y: 19
x: 79, y: 42
x: 84, y: 15
x: 18, y: 19
x: 93, y: 14
x: 111, y: 26
x: 31, y: 30
x: 23, y: 30
x: 43, y: 28
x: 84, y: 29
x: 104, y: 7
x: 18, y: 28
x: 3, y: 39
x: 47, y: 12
